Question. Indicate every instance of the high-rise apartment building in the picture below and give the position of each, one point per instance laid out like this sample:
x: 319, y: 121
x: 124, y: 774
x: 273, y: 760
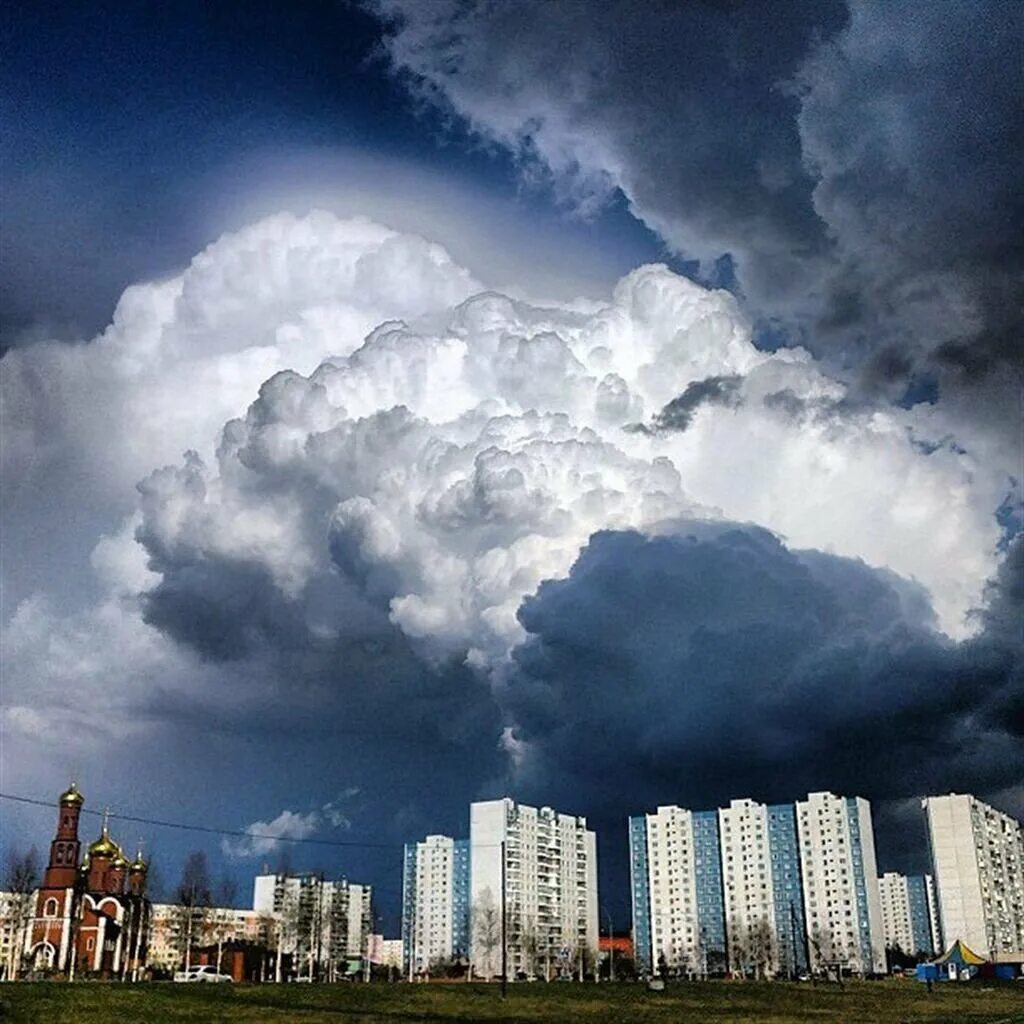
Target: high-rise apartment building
x: 728, y: 889
x: 842, y: 905
x: 978, y: 865
x: 435, y: 902
x: 676, y: 874
x: 537, y: 868
x: 909, y: 916
x: 324, y: 925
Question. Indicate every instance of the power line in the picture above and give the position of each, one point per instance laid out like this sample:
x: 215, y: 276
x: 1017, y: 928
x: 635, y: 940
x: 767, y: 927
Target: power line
x: 344, y: 843
x: 212, y: 831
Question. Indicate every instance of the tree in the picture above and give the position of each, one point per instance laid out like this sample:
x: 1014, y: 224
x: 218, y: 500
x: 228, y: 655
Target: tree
x: 192, y: 898
x: 823, y: 948
x: 223, y: 914
x: 739, y: 951
x: 21, y: 878
x: 761, y: 947
x: 486, y: 921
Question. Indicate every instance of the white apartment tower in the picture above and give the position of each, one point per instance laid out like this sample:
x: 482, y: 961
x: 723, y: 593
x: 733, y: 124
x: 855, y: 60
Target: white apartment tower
x: 978, y: 863
x: 435, y: 902
x: 548, y: 862
x: 678, y: 921
x: 840, y: 882
x: 748, y: 892
x: 909, y: 914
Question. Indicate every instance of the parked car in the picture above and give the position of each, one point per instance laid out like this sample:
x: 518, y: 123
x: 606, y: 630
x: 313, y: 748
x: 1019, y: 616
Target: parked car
x: 202, y: 972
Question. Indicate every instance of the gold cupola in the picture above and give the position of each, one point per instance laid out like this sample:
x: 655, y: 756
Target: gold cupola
x: 71, y: 796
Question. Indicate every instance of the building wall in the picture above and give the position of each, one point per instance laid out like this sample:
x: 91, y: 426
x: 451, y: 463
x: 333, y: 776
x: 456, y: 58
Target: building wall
x: 435, y: 901
x: 748, y: 889
x: 550, y: 896
x: 978, y: 864
x: 787, y: 889
x: 640, y: 893
x: 322, y: 924
x: 921, y: 910
x: 840, y: 882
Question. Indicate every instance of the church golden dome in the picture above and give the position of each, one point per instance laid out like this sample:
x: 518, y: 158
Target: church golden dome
x: 105, y: 846
x: 138, y: 864
x: 120, y: 860
x: 71, y: 796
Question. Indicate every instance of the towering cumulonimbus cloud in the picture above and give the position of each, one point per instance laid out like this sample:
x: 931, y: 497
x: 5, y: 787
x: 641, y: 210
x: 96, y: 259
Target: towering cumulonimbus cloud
x: 408, y: 507
x: 444, y: 470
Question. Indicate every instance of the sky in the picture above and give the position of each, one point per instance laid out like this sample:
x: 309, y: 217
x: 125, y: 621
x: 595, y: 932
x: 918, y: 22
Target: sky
x: 597, y: 403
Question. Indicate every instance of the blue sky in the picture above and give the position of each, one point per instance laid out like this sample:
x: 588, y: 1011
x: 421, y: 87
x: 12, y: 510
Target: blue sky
x: 258, y: 573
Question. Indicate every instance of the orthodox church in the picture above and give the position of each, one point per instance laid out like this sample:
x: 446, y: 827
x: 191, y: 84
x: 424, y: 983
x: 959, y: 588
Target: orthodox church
x: 91, y: 918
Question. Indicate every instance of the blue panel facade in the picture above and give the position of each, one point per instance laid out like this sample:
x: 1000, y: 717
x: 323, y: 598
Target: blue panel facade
x: 920, y: 919
x: 641, y: 893
x: 860, y: 883
x: 408, y: 900
x: 707, y: 861
x: 460, y: 899
x: 788, y: 888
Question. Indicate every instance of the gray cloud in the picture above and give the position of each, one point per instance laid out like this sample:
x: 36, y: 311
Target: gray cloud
x: 859, y: 165
x: 678, y: 414
x: 716, y: 662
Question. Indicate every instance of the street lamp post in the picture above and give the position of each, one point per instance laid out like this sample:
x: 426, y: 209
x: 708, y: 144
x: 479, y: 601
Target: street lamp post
x: 611, y: 945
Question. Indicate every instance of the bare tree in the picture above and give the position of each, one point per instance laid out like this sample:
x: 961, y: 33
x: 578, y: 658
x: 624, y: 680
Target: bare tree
x: 486, y: 920
x: 822, y: 946
x: 761, y: 947
x: 739, y: 945
x: 223, y: 914
x: 21, y: 878
x: 192, y: 898
x: 529, y: 943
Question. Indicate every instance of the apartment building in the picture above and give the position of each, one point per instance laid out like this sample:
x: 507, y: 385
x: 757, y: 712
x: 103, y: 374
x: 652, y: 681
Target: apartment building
x: 761, y: 889
x: 435, y: 902
x: 978, y: 866
x: 676, y: 879
x: 842, y: 905
x: 323, y: 925
x: 909, y: 916
x: 16, y: 916
x: 537, y: 868
x: 170, y: 931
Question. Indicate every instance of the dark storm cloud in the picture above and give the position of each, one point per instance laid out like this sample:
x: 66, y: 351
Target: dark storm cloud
x: 861, y: 164
x: 718, y: 663
x: 678, y: 414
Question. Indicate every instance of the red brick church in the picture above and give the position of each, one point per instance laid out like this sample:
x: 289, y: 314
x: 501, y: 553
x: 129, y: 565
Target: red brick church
x: 91, y: 918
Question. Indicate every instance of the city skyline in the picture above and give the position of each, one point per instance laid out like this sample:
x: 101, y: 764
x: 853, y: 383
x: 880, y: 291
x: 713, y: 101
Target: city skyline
x: 411, y: 404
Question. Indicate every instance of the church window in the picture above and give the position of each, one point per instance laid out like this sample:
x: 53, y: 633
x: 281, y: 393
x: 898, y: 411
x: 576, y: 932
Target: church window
x: 50, y: 908
x: 90, y: 944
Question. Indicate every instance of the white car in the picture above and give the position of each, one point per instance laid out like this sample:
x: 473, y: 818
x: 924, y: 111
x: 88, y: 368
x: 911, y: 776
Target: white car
x: 202, y: 972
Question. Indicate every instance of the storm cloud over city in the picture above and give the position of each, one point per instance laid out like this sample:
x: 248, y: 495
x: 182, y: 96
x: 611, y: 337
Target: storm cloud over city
x: 602, y: 404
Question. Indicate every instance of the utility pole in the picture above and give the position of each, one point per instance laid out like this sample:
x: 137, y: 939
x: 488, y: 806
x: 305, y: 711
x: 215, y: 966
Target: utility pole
x: 611, y: 946
x: 792, y: 942
x: 504, y: 943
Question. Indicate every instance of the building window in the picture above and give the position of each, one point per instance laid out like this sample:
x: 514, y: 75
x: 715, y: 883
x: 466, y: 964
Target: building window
x: 50, y: 908
x: 90, y: 944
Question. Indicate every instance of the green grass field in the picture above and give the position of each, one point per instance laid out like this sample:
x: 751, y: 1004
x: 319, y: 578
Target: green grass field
x: 889, y: 1002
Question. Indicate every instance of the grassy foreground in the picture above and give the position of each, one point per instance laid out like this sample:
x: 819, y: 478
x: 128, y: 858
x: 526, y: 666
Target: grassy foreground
x: 888, y: 1002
